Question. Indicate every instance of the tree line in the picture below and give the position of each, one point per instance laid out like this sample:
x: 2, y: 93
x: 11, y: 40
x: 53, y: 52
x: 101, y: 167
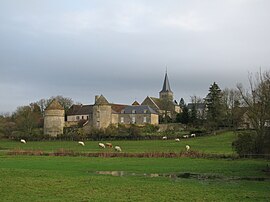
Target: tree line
x: 238, y: 108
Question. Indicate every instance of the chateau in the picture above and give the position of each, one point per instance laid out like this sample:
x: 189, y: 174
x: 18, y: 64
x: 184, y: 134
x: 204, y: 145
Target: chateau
x: 103, y: 113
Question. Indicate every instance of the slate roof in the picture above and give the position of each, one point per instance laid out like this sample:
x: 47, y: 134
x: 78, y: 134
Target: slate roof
x: 141, y: 109
x: 80, y: 110
x: 54, y: 105
x: 166, y: 85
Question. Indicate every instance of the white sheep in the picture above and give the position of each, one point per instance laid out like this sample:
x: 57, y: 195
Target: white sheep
x: 81, y: 143
x: 164, y: 138
x: 187, y: 147
x: 117, y: 148
x: 101, y: 145
x: 177, y: 140
x: 185, y: 136
x: 193, y: 135
x: 23, y: 141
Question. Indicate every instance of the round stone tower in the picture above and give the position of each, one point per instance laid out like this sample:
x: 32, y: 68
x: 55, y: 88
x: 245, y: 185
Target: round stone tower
x: 102, y: 112
x: 54, y: 119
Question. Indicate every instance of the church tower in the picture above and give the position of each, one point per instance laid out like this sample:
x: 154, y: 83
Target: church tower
x: 166, y: 92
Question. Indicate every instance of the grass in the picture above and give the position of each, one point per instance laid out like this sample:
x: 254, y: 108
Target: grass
x: 51, y: 178
x: 25, y: 178
x: 219, y: 144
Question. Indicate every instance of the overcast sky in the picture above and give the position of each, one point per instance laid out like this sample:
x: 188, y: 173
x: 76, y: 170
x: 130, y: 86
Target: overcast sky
x: 120, y: 48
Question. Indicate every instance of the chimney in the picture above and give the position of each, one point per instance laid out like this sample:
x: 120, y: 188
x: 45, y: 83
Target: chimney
x: 96, y: 98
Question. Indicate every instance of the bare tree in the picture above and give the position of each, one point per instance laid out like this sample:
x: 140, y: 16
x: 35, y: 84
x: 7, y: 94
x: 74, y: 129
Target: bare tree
x: 232, y: 106
x: 257, y: 100
x: 64, y: 101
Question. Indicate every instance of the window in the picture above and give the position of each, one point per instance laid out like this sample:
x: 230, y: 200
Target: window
x: 144, y: 119
x: 122, y: 120
x: 82, y: 118
x: 122, y: 111
x: 133, y: 120
x: 133, y: 111
x: 77, y: 118
x: 87, y: 117
x: 145, y: 111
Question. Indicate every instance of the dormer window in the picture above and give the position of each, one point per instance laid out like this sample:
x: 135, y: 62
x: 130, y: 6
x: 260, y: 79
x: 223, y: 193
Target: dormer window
x: 122, y: 111
x: 145, y: 111
x: 133, y: 111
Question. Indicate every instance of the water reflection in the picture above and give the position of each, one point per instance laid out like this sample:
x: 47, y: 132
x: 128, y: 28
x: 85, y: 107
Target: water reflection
x: 112, y: 173
x: 176, y: 176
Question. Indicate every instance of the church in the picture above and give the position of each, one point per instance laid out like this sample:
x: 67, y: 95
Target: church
x: 103, y: 113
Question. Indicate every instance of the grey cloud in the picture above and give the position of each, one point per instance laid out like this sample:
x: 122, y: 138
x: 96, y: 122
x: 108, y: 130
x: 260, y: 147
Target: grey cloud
x: 121, y: 48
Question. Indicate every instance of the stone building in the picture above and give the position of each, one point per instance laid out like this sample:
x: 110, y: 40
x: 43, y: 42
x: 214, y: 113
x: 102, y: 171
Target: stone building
x: 164, y: 105
x: 102, y: 113
x: 138, y: 114
x: 54, y: 119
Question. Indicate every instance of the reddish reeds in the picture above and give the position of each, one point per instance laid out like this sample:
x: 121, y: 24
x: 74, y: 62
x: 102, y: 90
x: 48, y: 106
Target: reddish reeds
x: 63, y: 152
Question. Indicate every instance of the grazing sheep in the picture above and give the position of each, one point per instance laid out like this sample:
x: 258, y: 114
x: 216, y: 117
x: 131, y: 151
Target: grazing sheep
x: 23, y: 141
x: 193, y: 135
x: 101, y: 145
x: 117, y: 148
x: 185, y: 136
x: 187, y: 147
x: 177, y: 140
x: 81, y: 143
x: 164, y: 138
x: 109, y: 144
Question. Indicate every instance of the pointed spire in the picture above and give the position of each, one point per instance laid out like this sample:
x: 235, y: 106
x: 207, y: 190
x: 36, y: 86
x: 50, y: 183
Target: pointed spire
x: 166, y: 84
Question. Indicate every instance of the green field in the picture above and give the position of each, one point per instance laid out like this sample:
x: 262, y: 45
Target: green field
x: 49, y: 178
x: 219, y: 144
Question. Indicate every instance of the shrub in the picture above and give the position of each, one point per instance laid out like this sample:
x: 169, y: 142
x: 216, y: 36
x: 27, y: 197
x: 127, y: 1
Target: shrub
x: 150, y: 128
x: 245, y: 144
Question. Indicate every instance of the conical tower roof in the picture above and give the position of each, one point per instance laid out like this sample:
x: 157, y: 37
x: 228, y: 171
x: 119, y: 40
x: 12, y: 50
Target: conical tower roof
x: 54, y: 105
x: 102, y: 101
x: 166, y: 85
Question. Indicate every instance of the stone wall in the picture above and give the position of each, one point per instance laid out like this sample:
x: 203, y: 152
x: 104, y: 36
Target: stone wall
x: 54, y: 121
x: 138, y: 118
x: 154, y: 119
x: 102, y: 116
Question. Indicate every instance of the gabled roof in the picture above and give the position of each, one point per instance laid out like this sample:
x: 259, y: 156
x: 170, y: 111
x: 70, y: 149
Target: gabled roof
x: 117, y: 108
x: 54, y: 105
x: 80, y: 110
x: 135, y: 103
x: 166, y: 85
x: 141, y: 109
x: 156, y: 101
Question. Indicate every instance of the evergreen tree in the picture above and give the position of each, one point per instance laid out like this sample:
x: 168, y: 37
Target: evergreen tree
x: 193, y: 113
x: 183, y: 117
x: 182, y: 103
x: 214, y: 106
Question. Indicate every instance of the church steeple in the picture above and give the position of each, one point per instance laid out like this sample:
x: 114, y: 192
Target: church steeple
x: 166, y: 92
x: 166, y: 84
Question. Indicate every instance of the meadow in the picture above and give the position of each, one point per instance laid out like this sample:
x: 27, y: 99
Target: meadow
x: 218, y: 144
x: 50, y: 178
